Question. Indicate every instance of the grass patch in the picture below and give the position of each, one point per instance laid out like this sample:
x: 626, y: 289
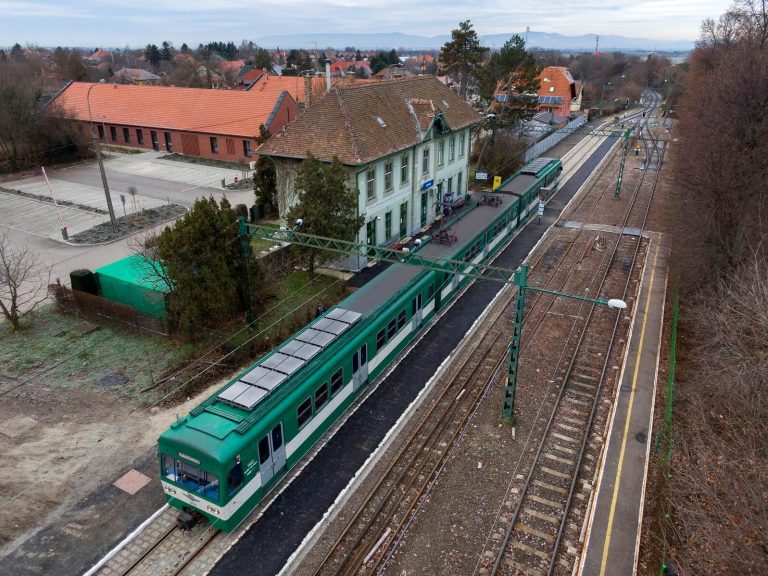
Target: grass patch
x: 261, y: 245
x: 53, y: 347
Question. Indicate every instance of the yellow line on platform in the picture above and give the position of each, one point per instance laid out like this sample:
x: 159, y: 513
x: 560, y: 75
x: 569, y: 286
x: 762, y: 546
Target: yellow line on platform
x: 606, y: 546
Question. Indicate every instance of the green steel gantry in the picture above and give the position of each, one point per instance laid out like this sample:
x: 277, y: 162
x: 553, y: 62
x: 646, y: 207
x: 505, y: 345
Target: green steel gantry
x: 517, y: 277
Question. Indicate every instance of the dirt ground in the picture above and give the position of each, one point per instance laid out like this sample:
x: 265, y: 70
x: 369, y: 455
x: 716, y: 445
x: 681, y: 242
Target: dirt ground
x: 77, y: 425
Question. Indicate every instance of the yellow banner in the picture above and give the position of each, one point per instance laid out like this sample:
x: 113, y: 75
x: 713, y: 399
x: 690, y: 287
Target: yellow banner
x: 496, y: 182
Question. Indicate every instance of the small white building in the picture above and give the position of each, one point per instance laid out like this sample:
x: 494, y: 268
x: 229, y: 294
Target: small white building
x: 406, y: 143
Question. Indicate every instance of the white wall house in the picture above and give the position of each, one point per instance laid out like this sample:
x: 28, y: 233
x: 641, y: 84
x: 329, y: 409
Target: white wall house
x: 406, y: 144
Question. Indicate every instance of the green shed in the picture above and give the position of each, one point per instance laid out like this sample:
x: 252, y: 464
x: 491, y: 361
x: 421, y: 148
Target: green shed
x: 133, y: 281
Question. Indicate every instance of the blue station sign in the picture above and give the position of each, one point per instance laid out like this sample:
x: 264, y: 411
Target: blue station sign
x: 428, y: 184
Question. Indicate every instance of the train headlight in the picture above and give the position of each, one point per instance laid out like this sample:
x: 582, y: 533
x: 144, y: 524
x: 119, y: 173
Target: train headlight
x: 212, y: 510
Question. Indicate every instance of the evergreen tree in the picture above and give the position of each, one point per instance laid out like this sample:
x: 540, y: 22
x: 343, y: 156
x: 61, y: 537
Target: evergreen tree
x: 262, y: 59
x: 463, y: 56
x: 327, y: 206
x: 358, y: 56
x: 17, y: 53
x: 166, y: 53
x: 201, y: 255
x: 152, y: 54
x: 184, y: 48
x: 513, y: 69
x: 265, y: 183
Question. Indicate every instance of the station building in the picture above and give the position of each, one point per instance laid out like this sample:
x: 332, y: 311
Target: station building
x: 215, y: 124
x: 405, y: 143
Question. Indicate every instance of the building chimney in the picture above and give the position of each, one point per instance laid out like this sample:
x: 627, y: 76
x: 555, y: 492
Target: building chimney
x: 327, y: 76
x: 307, y: 90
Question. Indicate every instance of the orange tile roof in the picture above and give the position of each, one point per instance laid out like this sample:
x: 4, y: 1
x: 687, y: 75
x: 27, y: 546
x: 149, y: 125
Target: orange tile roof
x: 294, y: 85
x: 228, y: 112
x: 230, y: 65
x: 360, y: 123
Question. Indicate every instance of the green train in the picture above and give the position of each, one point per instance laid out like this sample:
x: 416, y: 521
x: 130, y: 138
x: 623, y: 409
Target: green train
x: 223, y: 457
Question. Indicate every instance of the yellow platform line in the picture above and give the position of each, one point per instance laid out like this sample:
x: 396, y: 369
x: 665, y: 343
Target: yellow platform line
x: 615, y: 497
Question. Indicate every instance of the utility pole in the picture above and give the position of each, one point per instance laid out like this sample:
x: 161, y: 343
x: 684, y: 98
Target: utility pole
x: 97, y: 146
x: 625, y: 147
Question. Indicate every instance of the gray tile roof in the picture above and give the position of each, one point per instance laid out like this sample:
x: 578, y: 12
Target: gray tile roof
x: 362, y: 122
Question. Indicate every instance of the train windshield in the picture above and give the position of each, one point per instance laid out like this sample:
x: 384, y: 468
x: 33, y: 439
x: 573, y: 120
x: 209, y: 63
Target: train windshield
x: 191, y: 477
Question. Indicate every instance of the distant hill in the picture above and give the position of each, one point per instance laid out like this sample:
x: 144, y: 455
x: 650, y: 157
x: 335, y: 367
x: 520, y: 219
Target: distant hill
x: 543, y: 40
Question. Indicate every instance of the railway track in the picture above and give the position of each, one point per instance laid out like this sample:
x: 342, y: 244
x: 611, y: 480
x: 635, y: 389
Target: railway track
x: 162, y: 550
x: 537, y: 528
x: 372, y: 534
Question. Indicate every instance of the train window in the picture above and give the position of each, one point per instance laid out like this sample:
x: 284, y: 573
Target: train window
x: 277, y: 437
x: 304, y: 412
x: 321, y: 396
x: 381, y: 338
x: 235, y: 477
x: 391, y: 329
x: 355, y: 363
x: 401, y: 319
x: 264, y: 450
x: 431, y: 292
x: 191, y: 477
x: 337, y: 380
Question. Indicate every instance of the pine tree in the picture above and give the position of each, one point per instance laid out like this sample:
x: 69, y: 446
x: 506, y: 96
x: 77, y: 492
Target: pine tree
x: 513, y: 69
x: 463, y: 56
x: 327, y: 205
x: 201, y: 255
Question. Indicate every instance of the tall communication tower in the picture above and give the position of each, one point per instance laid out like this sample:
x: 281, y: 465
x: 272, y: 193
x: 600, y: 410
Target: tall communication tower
x: 597, y: 46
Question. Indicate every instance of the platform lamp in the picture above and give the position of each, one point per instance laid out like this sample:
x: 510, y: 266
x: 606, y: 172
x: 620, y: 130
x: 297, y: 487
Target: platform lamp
x: 97, y: 146
x: 520, y: 279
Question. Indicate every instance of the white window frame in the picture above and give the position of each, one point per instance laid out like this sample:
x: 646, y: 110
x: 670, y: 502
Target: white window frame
x: 370, y: 183
x: 404, y: 169
x: 388, y: 175
x: 461, y: 144
x: 425, y: 160
x: 440, y: 152
x: 452, y: 149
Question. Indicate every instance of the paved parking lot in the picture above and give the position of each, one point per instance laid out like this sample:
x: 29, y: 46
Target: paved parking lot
x: 157, y: 182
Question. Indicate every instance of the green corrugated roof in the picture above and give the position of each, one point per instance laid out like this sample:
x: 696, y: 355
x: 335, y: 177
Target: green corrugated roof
x: 134, y: 270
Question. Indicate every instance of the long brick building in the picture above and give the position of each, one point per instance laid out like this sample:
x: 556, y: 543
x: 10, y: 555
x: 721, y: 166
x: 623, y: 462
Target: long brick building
x: 216, y: 124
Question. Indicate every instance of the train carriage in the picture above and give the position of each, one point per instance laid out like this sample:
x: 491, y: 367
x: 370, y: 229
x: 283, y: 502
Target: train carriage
x: 221, y: 458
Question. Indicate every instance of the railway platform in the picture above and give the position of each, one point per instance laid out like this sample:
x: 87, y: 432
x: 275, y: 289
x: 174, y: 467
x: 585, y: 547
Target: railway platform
x: 613, y: 531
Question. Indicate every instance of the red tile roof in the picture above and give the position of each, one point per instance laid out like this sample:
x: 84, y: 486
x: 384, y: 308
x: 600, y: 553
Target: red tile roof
x: 362, y: 122
x: 230, y: 65
x: 294, y: 85
x: 227, y: 112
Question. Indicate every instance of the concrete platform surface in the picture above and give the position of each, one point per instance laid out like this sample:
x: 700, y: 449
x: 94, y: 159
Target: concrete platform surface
x: 613, y: 536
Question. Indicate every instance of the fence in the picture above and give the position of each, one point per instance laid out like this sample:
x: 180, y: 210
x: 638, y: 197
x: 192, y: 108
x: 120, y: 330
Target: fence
x: 664, y: 439
x: 549, y: 141
x: 100, y: 309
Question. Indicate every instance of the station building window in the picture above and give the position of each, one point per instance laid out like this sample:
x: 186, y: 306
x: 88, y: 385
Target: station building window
x: 370, y: 184
x: 126, y: 135
x: 388, y: 176
x: 101, y: 132
x: 452, y: 149
x: 404, y: 169
x: 113, y: 133
x: 461, y: 144
x: 191, y: 477
x: 425, y: 160
x: 140, y: 136
x: 214, y: 145
x: 247, y: 148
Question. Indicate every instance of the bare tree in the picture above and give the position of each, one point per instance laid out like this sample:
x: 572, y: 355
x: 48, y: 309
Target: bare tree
x: 23, y: 281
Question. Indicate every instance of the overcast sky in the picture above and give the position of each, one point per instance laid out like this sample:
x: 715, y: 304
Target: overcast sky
x: 135, y: 23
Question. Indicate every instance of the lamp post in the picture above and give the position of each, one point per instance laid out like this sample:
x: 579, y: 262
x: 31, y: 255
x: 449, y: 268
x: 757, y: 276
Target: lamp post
x: 521, y: 280
x: 97, y: 145
x: 602, y: 96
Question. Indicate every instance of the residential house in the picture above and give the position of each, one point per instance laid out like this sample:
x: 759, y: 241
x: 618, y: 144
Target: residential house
x: 556, y: 91
x: 405, y: 144
x: 216, y: 124
x: 137, y: 76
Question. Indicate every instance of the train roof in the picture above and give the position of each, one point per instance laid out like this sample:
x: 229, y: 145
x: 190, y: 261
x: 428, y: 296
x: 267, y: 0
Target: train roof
x: 522, y: 180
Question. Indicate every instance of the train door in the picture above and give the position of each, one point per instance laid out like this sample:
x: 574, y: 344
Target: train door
x: 271, y: 454
x: 360, y: 367
x: 424, y: 204
x: 416, y: 312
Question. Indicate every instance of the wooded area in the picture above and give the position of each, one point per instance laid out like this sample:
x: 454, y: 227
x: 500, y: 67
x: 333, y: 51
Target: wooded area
x: 716, y: 491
